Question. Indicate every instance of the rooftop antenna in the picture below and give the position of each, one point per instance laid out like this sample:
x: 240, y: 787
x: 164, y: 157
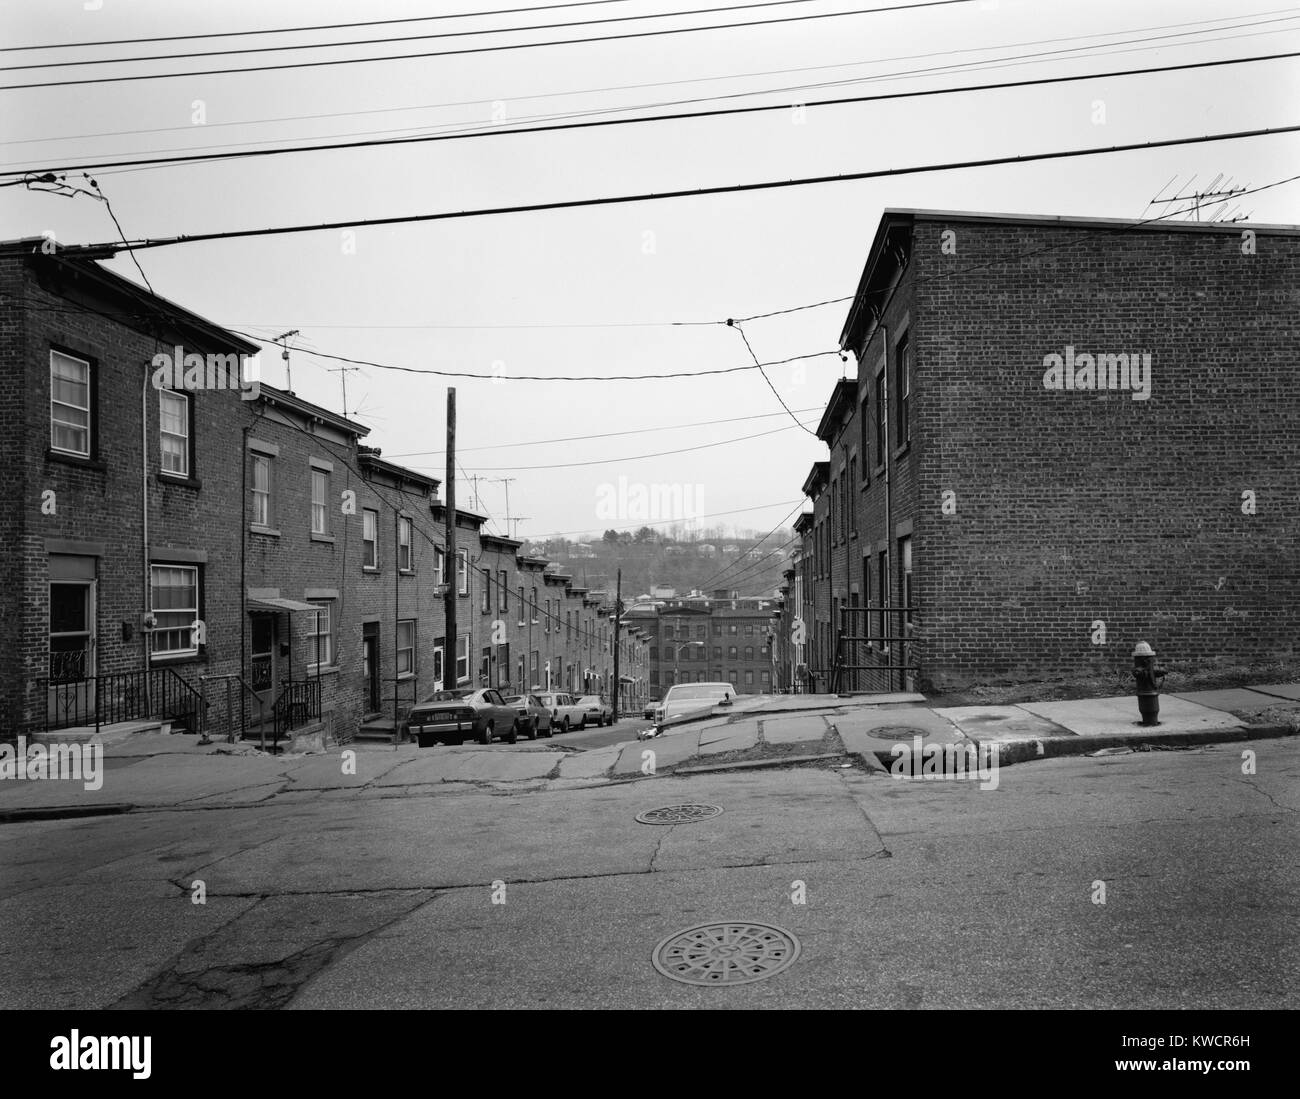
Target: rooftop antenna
x: 1206, y: 196
x: 284, y: 354
x: 342, y: 372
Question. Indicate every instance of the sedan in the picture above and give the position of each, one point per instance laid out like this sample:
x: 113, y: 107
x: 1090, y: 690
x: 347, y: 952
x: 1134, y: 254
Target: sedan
x: 566, y: 714
x: 453, y: 716
x: 597, y: 710
x: 534, y: 718
x: 693, y: 698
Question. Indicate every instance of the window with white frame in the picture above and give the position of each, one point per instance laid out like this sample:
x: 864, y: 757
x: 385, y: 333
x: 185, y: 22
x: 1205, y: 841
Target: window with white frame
x: 462, y: 573
x: 174, y: 601
x: 320, y: 487
x: 69, y: 405
x: 485, y: 604
x: 903, y: 389
x: 320, y: 634
x: 403, y: 543
x: 462, y: 658
x: 406, y: 647
x: 260, y: 487
x: 520, y: 594
x: 369, y: 538
x: 503, y: 590
x: 439, y: 565
x: 174, y: 433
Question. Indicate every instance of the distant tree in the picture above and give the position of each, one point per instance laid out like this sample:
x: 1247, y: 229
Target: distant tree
x: 645, y: 534
x: 610, y: 538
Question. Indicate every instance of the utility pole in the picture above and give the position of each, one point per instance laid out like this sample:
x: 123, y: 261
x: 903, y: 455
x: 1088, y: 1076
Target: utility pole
x: 450, y: 572
x: 618, y: 622
x: 284, y: 354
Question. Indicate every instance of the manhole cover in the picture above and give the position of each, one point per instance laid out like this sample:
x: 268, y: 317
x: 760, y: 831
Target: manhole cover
x: 678, y: 814
x: 726, y: 953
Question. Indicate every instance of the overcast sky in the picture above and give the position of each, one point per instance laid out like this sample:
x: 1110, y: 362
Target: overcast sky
x: 595, y: 291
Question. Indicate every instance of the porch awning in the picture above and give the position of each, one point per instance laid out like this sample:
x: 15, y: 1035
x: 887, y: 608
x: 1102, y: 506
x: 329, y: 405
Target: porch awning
x: 266, y: 603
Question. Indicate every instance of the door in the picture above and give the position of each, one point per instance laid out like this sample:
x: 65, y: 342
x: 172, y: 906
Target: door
x: 264, y: 658
x: 370, y: 665
x: 71, y: 695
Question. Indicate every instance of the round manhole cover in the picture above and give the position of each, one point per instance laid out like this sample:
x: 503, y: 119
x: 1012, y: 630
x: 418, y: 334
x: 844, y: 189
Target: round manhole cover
x: 726, y: 953
x: 678, y: 814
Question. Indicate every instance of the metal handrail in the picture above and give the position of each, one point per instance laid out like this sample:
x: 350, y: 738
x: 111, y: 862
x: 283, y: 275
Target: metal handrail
x: 119, y: 696
x: 261, y: 707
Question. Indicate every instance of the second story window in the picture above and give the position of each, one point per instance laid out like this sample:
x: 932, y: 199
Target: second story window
x: 69, y: 405
x: 881, y: 424
x: 439, y: 565
x: 534, y: 607
x: 404, y: 544
x: 174, y: 433
x: 462, y: 571
x: 369, y: 538
x: 486, y: 604
x: 320, y: 487
x: 503, y: 590
x: 520, y: 593
x: 903, y: 389
x: 261, y: 490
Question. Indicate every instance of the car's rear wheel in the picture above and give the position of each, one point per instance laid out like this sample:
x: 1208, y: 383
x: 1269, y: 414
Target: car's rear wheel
x: 485, y: 737
x: 584, y: 723
x: 512, y: 737
x: 550, y: 731
x: 532, y: 729
x: 564, y: 725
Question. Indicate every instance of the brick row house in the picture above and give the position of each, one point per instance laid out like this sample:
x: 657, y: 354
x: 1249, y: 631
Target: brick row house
x: 1063, y: 435
x: 296, y: 587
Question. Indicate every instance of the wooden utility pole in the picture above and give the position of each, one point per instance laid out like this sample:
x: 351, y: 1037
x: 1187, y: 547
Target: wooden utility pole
x: 452, y: 649
x: 618, y: 622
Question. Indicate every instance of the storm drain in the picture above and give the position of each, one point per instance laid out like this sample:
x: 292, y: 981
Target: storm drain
x: 726, y: 953
x: 678, y: 814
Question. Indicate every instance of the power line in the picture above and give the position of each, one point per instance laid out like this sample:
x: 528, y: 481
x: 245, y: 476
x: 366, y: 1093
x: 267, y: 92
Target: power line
x: 410, y: 37
x: 759, y: 366
x: 316, y: 27
x: 649, y: 84
x: 602, y: 435
x: 552, y: 127
x: 671, y: 522
x: 746, y: 24
x: 570, y: 204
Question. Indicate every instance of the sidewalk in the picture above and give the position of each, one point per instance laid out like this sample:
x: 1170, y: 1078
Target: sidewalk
x: 152, y: 771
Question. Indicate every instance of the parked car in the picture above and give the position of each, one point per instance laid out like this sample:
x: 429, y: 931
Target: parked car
x: 534, y: 718
x: 566, y: 714
x: 649, y: 712
x: 452, y: 716
x: 687, y: 698
x: 597, y: 709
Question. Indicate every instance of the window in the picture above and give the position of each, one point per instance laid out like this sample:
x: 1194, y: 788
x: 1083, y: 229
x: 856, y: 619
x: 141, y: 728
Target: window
x: 503, y: 590
x: 668, y: 633
x: 749, y: 652
x: 903, y: 389
x: 732, y: 652
x: 403, y: 543
x: 733, y: 676
x: 520, y: 593
x: 852, y: 508
x: 320, y: 634
x: 733, y: 629
x: 439, y: 565
x: 485, y: 666
x: 864, y: 425
x: 701, y: 631
x: 369, y: 538
x: 69, y: 405
x: 654, y: 652
x: 174, y: 601
x: 534, y: 606
x: 882, y: 586
x: 547, y: 627
x: 749, y: 629
x: 765, y: 676
x: 174, y: 433
x: 485, y: 604
x: 320, y: 486
x: 749, y: 678
x: 439, y: 658
x: 905, y: 564
x: 71, y: 631
x: 762, y: 651
x: 462, y: 658
x: 462, y: 578
x: 503, y: 666
x: 668, y: 652
x: 406, y: 647
x: 717, y: 652
x: 261, y: 482
x: 717, y: 629
x: 881, y: 426
x: 534, y: 663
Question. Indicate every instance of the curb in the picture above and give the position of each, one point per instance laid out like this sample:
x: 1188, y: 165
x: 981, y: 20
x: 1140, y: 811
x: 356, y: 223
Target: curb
x: 63, y: 812
x: 1010, y: 752
x: 757, y: 764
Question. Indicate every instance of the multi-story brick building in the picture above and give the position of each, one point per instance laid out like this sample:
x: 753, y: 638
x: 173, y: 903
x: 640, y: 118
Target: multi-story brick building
x: 229, y: 553
x: 710, y: 639
x: 1064, y: 436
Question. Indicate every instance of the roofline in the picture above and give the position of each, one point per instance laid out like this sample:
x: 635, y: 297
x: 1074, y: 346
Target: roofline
x: 400, y: 472
x: 840, y: 395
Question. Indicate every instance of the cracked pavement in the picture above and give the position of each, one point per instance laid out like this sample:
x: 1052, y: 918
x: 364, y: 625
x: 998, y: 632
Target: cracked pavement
x: 377, y: 893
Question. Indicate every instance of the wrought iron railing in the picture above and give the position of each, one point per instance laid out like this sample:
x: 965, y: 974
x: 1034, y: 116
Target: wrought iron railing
x: 98, y: 700
x: 297, y: 705
x: 234, y: 719
x: 876, y: 650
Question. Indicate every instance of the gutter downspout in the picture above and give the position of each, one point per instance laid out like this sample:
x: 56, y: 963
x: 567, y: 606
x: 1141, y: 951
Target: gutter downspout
x: 889, y: 497
x: 146, y: 635
x: 243, y: 590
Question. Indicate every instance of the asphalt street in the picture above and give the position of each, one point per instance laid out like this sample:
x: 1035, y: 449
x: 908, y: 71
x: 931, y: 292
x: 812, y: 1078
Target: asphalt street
x: 915, y: 893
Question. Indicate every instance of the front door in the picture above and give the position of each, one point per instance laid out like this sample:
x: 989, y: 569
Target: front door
x: 264, y: 658
x: 370, y: 665
x: 71, y: 696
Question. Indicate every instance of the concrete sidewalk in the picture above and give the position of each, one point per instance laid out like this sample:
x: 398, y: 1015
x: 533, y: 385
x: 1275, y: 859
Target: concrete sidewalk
x: 152, y: 771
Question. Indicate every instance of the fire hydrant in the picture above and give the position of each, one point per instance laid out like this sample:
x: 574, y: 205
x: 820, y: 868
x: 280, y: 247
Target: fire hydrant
x: 1148, y: 686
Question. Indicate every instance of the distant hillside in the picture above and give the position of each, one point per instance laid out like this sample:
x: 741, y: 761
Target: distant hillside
x: 648, y: 558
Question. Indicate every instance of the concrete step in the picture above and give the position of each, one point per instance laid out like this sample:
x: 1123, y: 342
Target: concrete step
x: 107, y: 734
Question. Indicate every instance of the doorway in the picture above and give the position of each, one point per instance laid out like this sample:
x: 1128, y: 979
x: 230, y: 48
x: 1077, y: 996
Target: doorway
x: 370, y: 665
x: 71, y: 696
x: 264, y: 657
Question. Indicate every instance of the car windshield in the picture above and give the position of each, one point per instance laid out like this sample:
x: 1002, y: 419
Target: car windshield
x: 514, y: 700
x: 449, y: 696
x: 703, y: 690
